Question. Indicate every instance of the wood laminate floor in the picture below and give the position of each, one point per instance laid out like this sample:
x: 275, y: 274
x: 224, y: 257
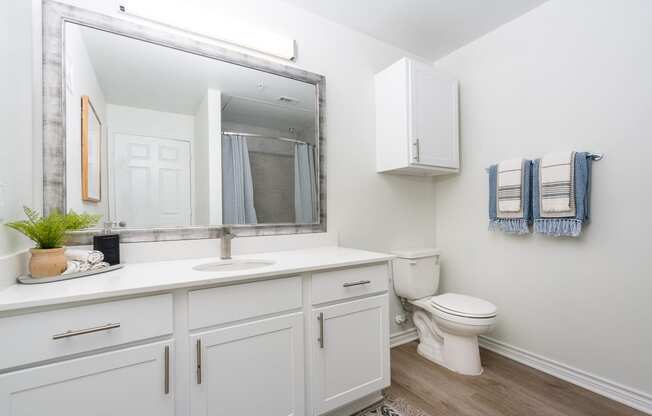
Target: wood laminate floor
x: 505, y: 388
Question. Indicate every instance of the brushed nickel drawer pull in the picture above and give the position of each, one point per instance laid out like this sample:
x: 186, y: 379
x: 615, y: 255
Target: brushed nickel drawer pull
x: 199, y: 361
x: 358, y: 283
x: 166, y: 383
x: 71, y: 333
x: 320, y: 318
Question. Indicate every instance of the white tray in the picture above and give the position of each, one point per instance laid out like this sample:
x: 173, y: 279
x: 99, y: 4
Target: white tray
x: 29, y: 280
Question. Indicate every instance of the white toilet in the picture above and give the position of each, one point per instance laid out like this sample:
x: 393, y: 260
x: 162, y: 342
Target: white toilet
x: 448, y: 324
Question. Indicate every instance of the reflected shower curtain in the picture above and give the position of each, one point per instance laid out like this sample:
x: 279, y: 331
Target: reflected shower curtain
x: 237, y: 184
x: 305, y: 186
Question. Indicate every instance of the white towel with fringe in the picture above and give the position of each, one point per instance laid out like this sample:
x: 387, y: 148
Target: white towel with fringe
x: 556, y: 183
x: 510, y: 187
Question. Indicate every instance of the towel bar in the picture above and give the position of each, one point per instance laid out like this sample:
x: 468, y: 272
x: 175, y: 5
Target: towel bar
x: 594, y: 156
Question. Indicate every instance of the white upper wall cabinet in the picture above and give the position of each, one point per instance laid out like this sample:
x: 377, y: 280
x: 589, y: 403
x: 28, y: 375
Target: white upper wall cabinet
x: 417, y: 129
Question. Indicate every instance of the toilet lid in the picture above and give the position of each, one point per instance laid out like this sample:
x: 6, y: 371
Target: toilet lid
x: 463, y: 305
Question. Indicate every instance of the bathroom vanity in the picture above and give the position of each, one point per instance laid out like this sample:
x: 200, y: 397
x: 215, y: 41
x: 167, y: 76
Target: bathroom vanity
x: 299, y: 333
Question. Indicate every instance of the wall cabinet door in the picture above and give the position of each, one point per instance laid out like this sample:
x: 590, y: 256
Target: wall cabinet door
x: 130, y: 381
x: 249, y: 369
x: 417, y: 123
x: 350, y: 352
x: 433, y: 118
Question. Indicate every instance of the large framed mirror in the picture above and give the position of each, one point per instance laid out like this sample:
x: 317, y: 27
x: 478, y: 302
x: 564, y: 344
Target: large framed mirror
x: 188, y: 136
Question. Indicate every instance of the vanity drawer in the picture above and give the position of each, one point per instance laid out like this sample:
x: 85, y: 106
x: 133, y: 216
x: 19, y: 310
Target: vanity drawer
x: 347, y: 283
x: 46, y: 335
x: 224, y: 304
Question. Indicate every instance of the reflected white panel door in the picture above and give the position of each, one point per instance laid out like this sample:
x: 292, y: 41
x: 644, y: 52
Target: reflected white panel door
x: 152, y: 181
x: 249, y: 369
x: 435, y: 122
x: 125, y: 382
x: 353, y: 360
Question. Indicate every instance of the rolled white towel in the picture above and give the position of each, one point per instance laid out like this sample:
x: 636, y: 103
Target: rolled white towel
x: 73, y: 267
x: 84, y: 267
x: 100, y: 265
x: 85, y: 256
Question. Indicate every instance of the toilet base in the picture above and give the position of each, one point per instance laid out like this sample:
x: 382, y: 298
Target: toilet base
x: 458, y: 353
x: 459, y: 361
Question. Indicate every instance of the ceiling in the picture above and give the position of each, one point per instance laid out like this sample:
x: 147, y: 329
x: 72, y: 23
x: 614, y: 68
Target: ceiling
x: 428, y: 28
x: 144, y: 75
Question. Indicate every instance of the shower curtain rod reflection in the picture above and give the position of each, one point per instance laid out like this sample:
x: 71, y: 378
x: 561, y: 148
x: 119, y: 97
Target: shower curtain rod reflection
x: 263, y: 136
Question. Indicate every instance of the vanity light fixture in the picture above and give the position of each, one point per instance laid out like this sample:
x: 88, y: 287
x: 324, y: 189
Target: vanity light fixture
x: 234, y: 33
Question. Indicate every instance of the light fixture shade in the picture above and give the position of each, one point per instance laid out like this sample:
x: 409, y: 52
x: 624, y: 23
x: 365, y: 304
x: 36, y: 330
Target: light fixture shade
x: 234, y: 33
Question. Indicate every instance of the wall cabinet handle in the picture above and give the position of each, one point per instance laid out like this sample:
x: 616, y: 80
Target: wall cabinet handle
x: 320, y: 318
x: 417, y: 150
x: 358, y: 283
x: 166, y: 381
x: 199, y: 361
x: 74, y: 333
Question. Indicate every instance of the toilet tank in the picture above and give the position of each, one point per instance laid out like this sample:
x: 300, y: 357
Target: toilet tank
x: 416, y: 273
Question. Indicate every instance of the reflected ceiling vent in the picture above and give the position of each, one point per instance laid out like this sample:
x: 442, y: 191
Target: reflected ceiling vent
x: 288, y: 100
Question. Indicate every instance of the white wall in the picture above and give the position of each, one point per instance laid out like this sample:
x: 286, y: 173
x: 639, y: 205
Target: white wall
x: 16, y: 127
x: 81, y: 81
x: 208, y: 160
x: 151, y: 123
x: 570, y: 74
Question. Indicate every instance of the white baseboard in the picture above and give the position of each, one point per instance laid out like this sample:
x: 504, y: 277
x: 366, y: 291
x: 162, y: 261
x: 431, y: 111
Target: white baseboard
x: 403, y: 337
x: 615, y: 391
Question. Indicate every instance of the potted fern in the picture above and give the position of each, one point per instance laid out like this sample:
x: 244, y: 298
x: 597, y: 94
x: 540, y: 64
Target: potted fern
x: 49, y: 234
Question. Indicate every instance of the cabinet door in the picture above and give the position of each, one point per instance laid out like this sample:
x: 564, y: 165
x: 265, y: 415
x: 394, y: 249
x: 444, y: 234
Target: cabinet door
x: 350, y: 352
x: 434, y: 121
x: 249, y: 369
x: 126, y: 382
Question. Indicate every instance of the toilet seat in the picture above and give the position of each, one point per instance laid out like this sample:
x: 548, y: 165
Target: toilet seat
x: 463, y: 306
x: 462, y: 320
x: 427, y: 305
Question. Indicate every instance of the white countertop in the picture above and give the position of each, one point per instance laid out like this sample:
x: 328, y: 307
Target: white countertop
x: 140, y: 278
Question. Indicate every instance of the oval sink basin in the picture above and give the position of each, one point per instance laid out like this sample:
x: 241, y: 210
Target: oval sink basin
x: 232, y: 265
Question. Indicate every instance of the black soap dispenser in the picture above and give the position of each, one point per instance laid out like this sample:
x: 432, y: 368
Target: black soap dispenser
x: 109, y: 244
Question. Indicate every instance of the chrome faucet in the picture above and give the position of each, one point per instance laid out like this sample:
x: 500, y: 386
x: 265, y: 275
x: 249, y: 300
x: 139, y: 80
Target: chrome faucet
x: 225, y: 245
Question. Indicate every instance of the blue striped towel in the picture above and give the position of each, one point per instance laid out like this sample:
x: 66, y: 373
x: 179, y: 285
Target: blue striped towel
x: 508, y: 221
x: 570, y: 226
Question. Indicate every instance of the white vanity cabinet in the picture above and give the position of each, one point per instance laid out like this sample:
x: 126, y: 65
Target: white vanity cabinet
x: 417, y: 123
x: 350, y: 335
x: 111, y: 378
x: 253, y: 363
x: 351, y: 359
x: 131, y: 381
x: 250, y: 369
x: 306, y: 343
